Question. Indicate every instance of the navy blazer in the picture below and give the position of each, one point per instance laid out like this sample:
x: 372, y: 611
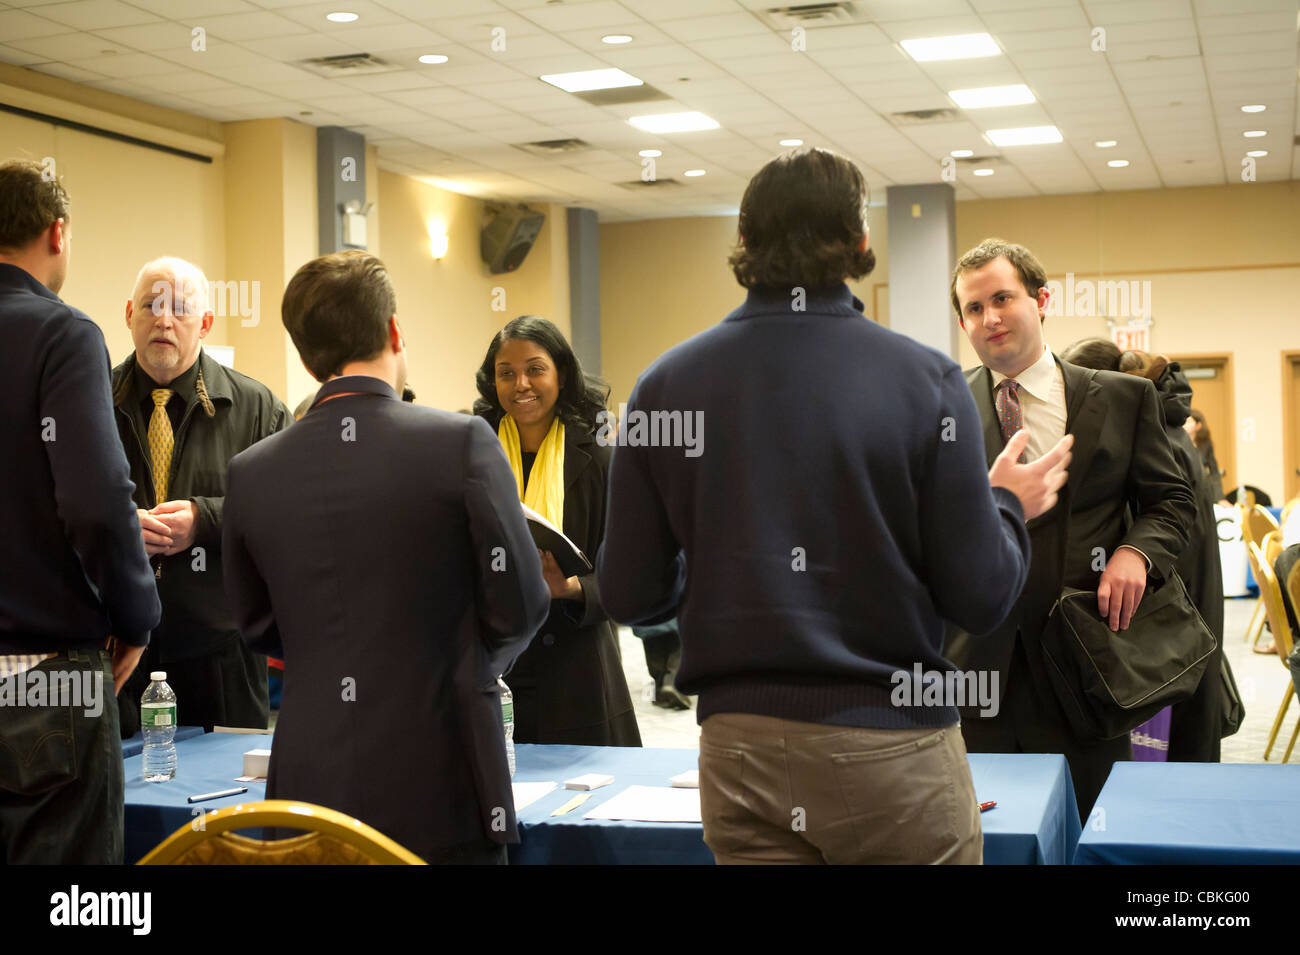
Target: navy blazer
x: 378, y: 547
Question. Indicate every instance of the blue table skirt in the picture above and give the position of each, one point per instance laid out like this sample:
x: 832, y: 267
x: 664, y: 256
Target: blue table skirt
x: 1195, y: 814
x: 135, y: 745
x: 1036, y: 820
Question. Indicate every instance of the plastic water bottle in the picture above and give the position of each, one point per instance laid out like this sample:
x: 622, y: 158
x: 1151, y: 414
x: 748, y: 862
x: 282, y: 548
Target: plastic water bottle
x: 158, y: 722
x: 508, y: 721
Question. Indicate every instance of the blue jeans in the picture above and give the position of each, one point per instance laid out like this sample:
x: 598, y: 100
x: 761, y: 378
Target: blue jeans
x: 61, y: 783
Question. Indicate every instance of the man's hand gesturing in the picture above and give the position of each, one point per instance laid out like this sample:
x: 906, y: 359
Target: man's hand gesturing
x: 1036, y: 483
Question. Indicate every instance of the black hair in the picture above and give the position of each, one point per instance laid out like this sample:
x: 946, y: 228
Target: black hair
x: 581, y: 396
x: 1099, y: 353
x: 802, y: 219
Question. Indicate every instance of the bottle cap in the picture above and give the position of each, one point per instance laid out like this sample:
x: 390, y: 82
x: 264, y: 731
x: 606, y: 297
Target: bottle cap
x: 158, y: 676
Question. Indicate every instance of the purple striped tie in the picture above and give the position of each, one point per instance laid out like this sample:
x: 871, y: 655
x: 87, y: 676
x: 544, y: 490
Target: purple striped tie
x: 1010, y: 416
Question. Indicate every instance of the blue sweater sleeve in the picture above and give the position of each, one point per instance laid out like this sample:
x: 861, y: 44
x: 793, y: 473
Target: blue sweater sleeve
x: 640, y: 566
x: 973, y: 536
x: 92, y: 483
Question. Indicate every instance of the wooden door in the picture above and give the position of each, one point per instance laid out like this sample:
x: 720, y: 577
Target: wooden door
x: 1211, y: 379
x: 1291, y: 422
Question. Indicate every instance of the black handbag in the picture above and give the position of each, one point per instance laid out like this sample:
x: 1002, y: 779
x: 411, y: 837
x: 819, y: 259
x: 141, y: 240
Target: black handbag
x: 1233, y: 710
x: 1108, y: 683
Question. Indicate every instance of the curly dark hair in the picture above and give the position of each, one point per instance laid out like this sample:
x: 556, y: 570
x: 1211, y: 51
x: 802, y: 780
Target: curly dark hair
x: 581, y: 396
x: 802, y: 220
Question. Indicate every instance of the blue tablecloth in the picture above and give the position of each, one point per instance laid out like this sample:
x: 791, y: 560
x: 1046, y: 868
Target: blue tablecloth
x: 205, y: 763
x: 135, y: 745
x: 1036, y: 820
x: 1195, y: 814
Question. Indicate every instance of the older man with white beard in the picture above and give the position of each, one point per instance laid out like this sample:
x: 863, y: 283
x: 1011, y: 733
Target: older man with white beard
x: 182, y: 416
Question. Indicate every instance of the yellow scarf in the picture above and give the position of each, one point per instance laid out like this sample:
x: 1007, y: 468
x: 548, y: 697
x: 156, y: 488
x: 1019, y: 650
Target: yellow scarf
x: 545, y: 492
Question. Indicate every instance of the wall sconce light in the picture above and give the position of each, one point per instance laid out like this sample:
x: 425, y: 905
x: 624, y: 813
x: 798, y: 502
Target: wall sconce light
x: 354, y: 222
x: 438, y: 242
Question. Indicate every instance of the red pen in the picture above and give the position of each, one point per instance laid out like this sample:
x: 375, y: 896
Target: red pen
x: 986, y: 806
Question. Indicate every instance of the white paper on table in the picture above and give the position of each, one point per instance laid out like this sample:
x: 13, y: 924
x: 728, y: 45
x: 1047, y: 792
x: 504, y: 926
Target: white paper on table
x: 650, y: 804
x: 528, y: 793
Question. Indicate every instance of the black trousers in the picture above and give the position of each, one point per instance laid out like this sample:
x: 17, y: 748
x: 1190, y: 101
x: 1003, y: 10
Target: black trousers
x: 223, y: 688
x: 1031, y: 720
x: 1195, y: 725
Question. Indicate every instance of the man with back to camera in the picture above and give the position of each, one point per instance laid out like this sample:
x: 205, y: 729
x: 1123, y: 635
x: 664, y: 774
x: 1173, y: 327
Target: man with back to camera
x: 74, y: 567
x: 828, y: 528
x: 379, y: 549
x: 182, y: 416
x: 1121, y: 457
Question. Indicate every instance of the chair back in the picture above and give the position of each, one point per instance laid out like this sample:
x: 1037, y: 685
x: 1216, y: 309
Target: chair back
x: 1271, y: 593
x: 1271, y: 546
x: 332, y: 838
x: 1256, y: 521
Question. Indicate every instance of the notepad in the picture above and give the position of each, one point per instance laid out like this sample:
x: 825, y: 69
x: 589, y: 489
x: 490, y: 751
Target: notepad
x: 528, y: 793
x: 588, y: 781
x: 573, y: 562
x: 650, y: 804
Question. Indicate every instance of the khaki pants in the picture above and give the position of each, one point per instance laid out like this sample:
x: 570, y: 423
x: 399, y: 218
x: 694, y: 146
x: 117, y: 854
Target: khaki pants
x: 777, y: 791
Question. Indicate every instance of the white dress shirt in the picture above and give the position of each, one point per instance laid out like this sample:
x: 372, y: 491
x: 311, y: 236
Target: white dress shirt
x: 1042, y: 402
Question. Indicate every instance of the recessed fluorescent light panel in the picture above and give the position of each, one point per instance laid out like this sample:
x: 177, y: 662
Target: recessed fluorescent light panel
x: 986, y: 96
x: 673, y: 122
x: 968, y: 46
x: 1105, y: 143
x: 587, y: 80
x: 1117, y: 163
x: 983, y: 172
x: 616, y: 39
x: 962, y: 153
x: 1025, y: 136
x: 1257, y: 153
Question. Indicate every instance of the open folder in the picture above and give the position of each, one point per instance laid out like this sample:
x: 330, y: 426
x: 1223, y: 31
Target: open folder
x: 573, y: 562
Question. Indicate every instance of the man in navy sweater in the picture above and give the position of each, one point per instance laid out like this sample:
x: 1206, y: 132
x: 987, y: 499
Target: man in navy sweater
x: 74, y: 564
x: 831, y: 511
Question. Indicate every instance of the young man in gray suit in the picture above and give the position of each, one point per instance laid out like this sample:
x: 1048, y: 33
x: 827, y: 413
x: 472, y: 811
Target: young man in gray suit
x: 378, y: 548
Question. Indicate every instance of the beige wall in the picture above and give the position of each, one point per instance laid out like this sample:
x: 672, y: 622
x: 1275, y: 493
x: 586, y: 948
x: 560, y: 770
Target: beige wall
x: 1223, y: 263
x: 129, y: 204
x: 664, y: 280
x: 446, y: 307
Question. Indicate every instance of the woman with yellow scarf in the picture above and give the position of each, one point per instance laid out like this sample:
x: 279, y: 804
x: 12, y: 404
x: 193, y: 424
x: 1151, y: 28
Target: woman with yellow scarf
x: 568, y: 686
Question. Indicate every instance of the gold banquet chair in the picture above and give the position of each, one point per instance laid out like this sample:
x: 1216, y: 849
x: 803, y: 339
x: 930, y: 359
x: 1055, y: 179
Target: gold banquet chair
x: 1256, y: 523
x: 1293, y: 591
x: 1271, y: 593
x: 332, y: 838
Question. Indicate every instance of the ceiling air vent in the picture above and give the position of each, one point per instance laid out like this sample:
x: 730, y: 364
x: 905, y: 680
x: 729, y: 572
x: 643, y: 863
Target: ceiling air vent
x: 554, y: 147
x: 348, y: 64
x: 978, y: 160
x: 636, y: 184
x: 924, y: 117
x: 812, y: 15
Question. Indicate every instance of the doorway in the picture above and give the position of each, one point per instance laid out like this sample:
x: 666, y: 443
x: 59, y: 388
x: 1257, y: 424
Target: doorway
x: 1210, y: 376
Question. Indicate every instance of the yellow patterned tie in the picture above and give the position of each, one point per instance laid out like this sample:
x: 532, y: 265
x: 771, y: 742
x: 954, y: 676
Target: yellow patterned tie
x: 160, y: 443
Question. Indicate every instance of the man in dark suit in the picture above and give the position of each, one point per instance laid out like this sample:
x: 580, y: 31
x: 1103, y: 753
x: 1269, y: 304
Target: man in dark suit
x: 1121, y: 456
x: 379, y: 549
